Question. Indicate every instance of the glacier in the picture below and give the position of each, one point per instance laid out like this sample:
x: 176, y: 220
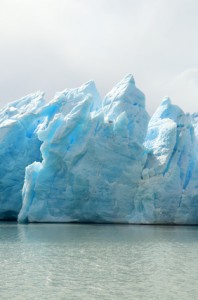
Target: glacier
x: 79, y: 158
x: 19, y: 147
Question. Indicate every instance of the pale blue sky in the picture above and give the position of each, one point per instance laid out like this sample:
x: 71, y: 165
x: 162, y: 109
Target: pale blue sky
x: 51, y: 45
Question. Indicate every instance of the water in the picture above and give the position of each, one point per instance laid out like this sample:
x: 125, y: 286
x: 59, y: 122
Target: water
x: 65, y: 261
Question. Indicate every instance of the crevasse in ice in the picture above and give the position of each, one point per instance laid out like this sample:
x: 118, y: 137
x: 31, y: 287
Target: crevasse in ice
x: 89, y: 160
x: 19, y: 147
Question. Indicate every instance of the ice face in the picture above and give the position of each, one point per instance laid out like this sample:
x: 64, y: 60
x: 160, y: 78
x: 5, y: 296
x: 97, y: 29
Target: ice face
x: 92, y: 163
x: 87, y: 160
x: 170, y: 171
x: 194, y: 120
x: 19, y: 147
x: 20, y: 123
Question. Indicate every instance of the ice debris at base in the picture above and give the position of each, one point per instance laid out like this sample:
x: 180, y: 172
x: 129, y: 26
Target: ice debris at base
x: 89, y: 160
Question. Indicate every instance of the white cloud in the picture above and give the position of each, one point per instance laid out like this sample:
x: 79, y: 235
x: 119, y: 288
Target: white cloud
x: 184, y: 88
x: 53, y: 44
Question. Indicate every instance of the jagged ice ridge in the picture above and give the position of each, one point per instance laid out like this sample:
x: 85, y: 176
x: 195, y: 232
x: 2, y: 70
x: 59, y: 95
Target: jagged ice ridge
x: 81, y: 159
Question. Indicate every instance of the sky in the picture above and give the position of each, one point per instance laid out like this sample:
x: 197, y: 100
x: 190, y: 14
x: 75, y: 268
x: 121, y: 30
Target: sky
x: 50, y: 45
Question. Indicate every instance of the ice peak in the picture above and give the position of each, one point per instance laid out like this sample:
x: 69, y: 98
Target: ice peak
x: 18, y: 108
x: 128, y: 79
x: 89, y: 83
x: 167, y: 110
x: 166, y: 101
x: 68, y: 98
x: 125, y: 91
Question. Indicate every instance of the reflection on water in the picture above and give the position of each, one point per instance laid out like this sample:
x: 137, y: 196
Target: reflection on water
x: 70, y: 261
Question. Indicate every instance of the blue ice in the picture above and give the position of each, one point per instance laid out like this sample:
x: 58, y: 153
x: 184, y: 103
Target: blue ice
x: 78, y: 158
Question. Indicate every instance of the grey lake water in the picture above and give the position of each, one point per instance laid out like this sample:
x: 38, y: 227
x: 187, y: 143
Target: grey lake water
x: 75, y: 261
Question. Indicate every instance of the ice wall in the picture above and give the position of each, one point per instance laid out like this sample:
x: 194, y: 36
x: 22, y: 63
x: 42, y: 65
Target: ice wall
x: 92, y: 163
x: 19, y: 147
x: 20, y: 123
x: 89, y: 160
x: 169, y: 176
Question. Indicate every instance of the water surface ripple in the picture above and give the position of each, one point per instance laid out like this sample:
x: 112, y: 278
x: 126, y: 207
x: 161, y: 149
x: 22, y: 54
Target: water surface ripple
x: 73, y: 261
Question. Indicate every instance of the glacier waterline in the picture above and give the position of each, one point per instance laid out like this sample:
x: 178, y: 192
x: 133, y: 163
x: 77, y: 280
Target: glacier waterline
x: 104, y: 161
